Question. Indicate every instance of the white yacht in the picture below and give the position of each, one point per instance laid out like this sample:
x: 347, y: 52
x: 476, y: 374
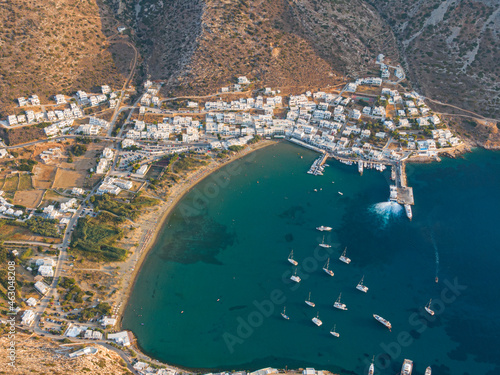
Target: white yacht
x: 393, y: 197
x: 339, y: 305
x: 308, y: 301
x: 326, y: 269
x: 317, y: 321
x: 408, y: 211
x: 407, y: 368
x: 360, y: 167
x: 343, y: 258
x: 336, y: 334
x: 371, y: 370
x: 428, y: 371
x: 283, y: 314
x: 341, y: 193
x: 383, y: 321
x: 323, y: 244
x: 294, y: 277
x: 428, y: 308
x: 361, y: 287
x: 322, y: 228
x: 291, y: 260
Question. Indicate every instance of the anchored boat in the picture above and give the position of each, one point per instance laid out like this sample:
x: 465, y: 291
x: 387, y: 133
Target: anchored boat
x: 283, y: 314
x: 336, y: 334
x: 323, y: 244
x: 407, y: 367
x: 322, y: 228
x: 294, y: 277
x: 428, y: 371
x: 361, y: 287
x: 317, y: 321
x: 326, y: 269
x: 308, y: 301
x: 291, y: 260
x: 339, y: 305
x: 343, y: 258
x: 428, y: 308
x: 383, y: 321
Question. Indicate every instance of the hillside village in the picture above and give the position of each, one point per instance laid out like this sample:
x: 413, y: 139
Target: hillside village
x: 368, y: 120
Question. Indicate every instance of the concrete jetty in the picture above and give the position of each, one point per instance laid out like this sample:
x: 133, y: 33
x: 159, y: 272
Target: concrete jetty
x: 405, y: 193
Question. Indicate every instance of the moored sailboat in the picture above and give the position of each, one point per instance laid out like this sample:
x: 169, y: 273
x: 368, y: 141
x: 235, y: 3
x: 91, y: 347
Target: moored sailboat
x: 326, y: 269
x: 428, y: 308
x: 333, y: 333
x: 283, y: 314
x: 339, y: 305
x: 294, y: 277
x: 361, y: 287
x: 343, y: 257
x: 291, y: 260
x: 308, y: 301
x: 323, y: 244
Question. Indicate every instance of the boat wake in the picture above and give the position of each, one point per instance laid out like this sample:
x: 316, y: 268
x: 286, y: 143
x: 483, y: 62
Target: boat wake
x: 387, y: 210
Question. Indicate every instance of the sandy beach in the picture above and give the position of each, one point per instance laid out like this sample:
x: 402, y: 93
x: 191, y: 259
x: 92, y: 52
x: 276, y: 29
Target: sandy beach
x: 132, y: 266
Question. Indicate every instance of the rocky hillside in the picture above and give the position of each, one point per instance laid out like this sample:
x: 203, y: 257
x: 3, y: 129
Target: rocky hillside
x: 202, y: 44
x: 51, y: 47
x: 451, y: 49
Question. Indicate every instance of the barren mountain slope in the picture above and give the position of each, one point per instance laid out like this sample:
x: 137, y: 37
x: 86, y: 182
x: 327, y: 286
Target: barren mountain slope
x: 451, y: 48
x: 50, y: 47
x: 202, y: 44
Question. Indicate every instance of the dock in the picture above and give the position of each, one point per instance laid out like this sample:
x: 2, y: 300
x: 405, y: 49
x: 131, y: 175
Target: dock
x: 405, y: 193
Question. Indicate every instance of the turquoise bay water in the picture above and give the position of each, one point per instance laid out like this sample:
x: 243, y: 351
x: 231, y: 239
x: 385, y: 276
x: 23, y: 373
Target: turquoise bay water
x: 211, y: 291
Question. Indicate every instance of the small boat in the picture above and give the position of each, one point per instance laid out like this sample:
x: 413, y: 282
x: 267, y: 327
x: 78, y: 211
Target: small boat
x: 339, y: 305
x: 341, y: 193
x: 317, y: 321
x: 323, y: 244
x: 428, y: 308
x: 343, y: 258
x: 436, y: 279
x: 361, y: 287
x: 383, y: 321
x: 407, y: 367
x: 283, y: 314
x: 312, y: 304
x: 428, y: 371
x: 326, y: 269
x: 294, y: 277
x: 336, y: 334
x: 315, y: 189
x: 323, y: 228
x: 408, y: 211
x: 291, y: 260
x: 371, y: 370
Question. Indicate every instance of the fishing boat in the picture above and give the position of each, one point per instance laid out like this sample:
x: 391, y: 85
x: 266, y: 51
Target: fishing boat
x: 361, y: 287
x: 339, y: 305
x: 294, y: 277
x: 407, y: 367
x: 322, y: 228
x: 317, y: 321
x: 428, y: 308
x: 336, y: 334
x: 308, y: 301
x: 326, y: 269
x: 428, y: 371
x: 343, y: 258
x: 291, y: 260
x: 283, y: 314
x: 383, y: 321
x: 323, y: 244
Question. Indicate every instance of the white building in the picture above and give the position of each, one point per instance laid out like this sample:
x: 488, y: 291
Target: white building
x: 41, y: 287
x: 31, y: 302
x: 28, y: 317
x: 105, y: 89
x: 46, y: 271
x: 60, y: 99
x: 120, y: 338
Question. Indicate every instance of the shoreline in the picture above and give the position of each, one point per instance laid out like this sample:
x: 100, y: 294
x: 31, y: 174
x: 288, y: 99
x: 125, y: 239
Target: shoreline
x: 166, y: 208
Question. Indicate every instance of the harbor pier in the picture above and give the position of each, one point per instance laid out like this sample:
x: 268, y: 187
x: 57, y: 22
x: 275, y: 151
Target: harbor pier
x: 405, y: 193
